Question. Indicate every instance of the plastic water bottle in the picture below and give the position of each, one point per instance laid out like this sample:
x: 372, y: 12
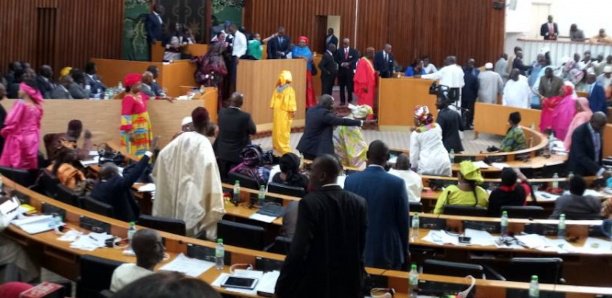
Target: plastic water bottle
x: 261, y: 196
x: 551, y: 140
x: 451, y: 155
x: 534, y: 287
x: 414, y: 231
x: 570, y: 175
x: 561, y: 227
x: 236, y: 193
x: 504, y: 223
x: 219, y: 254
x: 202, y: 89
x: 131, y: 231
x: 413, y: 280
x: 120, y: 86
x: 555, y: 183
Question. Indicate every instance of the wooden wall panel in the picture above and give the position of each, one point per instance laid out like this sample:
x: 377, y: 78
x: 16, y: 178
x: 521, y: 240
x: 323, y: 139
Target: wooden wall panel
x: 83, y: 29
x: 464, y: 28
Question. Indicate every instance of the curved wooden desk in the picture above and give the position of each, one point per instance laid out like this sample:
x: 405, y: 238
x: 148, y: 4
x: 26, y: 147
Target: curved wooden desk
x: 60, y: 258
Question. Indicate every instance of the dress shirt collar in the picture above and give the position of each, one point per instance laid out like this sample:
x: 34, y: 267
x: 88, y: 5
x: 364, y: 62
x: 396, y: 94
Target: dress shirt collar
x: 236, y: 108
x: 330, y: 185
x: 376, y: 167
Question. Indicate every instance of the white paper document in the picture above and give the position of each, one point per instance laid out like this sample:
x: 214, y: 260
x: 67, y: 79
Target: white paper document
x: 481, y: 164
x: 441, y: 237
x: 261, y: 217
x: 91, y: 241
x: 188, y: 266
x: 149, y: 187
x: 35, y: 224
x: 500, y: 165
x: 543, y: 196
x: 595, y: 246
x: 482, y: 238
x: 267, y: 283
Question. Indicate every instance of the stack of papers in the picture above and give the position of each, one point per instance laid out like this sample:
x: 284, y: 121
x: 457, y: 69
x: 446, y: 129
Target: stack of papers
x: 595, y: 246
x: 267, y: 283
x: 481, y: 164
x: 262, y: 217
x: 482, y: 238
x: 542, y: 243
x: 35, y: 224
x: 188, y: 266
x: 91, y: 241
x: 441, y: 237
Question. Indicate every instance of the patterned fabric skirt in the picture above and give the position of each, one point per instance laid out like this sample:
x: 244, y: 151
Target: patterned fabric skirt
x: 141, y: 134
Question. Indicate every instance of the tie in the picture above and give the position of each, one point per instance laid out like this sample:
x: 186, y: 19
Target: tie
x: 551, y: 29
x: 346, y: 54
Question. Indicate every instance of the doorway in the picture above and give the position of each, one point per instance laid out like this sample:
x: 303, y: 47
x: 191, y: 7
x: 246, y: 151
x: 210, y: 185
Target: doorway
x: 322, y: 23
x: 540, y: 12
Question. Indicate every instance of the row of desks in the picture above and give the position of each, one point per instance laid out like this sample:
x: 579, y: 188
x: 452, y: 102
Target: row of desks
x: 59, y: 257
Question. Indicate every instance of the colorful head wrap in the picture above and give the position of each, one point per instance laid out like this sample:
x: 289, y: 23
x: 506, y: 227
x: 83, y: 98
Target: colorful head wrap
x: 470, y: 171
x: 284, y: 78
x: 65, y: 71
x: 303, y: 39
x: 360, y: 112
x: 32, y: 92
x: 131, y: 79
x: 423, y: 116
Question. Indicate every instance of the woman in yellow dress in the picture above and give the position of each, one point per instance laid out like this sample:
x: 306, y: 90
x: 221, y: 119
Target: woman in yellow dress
x: 136, y: 132
x: 284, y: 106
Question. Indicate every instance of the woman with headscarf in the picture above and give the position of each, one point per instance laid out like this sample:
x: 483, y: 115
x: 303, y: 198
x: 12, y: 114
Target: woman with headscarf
x: 284, y: 105
x: 349, y: 143
x: 136, y: 134
x: 211, y: 69
x: 290, y: 172
x: 558, y: 111
x: 303, y: 51
x: 466, y: 192
x: 22, y: 129
x: 583, y: 115
x: 427, y: 152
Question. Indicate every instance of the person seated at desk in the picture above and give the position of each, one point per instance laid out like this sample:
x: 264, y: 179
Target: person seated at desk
x: 167, y: 284
x: 413, y: 181
x: 57, y: 141
x: 416, y: 68
x: 146, y: 86
x: 149, y: 249
x: 77, y: 86
x: 576, y: 34
x: 69, y: 176
x: 576, y: 205
x: 12, y: 253
x: 60, y: 90
x: 159, y: 91
x: 601, y: 37
x: 290, y: 172
x: 515, y: 137
x: 509, y: 193
x: 427, y: 152
x: 466, y: 192
x: 116, y: 190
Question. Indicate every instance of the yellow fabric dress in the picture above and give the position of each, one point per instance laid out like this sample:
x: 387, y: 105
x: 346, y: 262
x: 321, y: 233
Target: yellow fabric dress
x: 284, y: 105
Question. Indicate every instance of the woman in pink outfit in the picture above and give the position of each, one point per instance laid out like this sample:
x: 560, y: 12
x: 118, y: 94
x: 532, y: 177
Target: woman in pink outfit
x: 22, y: 129
x: 583, y: 115
x: 558, y: 112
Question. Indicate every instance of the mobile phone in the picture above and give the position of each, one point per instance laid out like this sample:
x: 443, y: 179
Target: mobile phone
x: 240, y: 282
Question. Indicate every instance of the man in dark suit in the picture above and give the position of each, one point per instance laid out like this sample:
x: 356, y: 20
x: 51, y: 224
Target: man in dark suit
x: 549, y: 30
x: 155, y: 87
x: 330, y: 38
x: 116, y: 190
x: 329, y: 70
x: 387, y: 198
x: 318, y: 132
x: 596, y: 95
x: 586, y: 151
x: 347, y: 58
x: 326, y: 255
x: 280, y: 45
x: 154, y: 24
x: 235, y: 129
x: 93, y: 81
x: 384, y: 62
x: 44, y: 81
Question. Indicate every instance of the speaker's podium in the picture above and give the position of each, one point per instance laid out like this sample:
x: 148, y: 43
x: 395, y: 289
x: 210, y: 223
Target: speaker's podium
x: 256, y: 80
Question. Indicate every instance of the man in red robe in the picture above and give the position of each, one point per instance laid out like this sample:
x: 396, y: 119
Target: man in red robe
x: 365, y: 79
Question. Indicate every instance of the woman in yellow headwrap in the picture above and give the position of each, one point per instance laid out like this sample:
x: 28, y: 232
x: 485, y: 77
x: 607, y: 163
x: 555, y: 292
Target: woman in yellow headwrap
x: 284, y: 106
x: 466, y: 192
x: 349, y: 143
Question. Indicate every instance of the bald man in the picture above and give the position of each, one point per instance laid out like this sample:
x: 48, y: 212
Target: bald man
x: 147, y: 82
x: 329, y: 239
x: 586, y: 151
x: 149, y: 249
x: 384, y: 62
